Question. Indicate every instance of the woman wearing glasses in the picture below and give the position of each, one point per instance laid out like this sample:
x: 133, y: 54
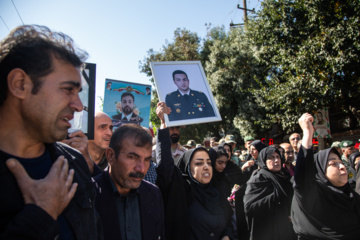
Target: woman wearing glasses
x: 324, y: 204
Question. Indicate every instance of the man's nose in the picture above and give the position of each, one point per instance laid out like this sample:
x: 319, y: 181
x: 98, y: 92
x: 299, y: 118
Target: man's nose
x: 76, y: 103
x: 140, y: 166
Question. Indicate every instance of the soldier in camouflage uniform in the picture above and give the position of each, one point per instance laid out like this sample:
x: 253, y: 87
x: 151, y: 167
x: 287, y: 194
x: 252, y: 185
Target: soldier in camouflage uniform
x: 347, y: 148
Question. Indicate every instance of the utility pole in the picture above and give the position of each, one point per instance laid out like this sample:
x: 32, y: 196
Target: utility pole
x: 245, y: 14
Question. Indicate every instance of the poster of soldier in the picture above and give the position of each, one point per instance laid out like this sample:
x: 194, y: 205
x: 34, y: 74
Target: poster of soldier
x: 127, y: 102
x: 184, y: 88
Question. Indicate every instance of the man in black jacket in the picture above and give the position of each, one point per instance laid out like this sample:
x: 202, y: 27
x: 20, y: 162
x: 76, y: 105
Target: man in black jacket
x: 129, y: 207
x: 39, y: 85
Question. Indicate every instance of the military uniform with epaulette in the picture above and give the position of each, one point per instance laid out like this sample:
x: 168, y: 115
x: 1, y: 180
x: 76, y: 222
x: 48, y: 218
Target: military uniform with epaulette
x: 192, y: 105
x: 118, y: 120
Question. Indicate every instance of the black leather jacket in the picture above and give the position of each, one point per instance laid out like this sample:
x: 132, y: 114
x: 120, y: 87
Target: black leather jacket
x: 20, y: 221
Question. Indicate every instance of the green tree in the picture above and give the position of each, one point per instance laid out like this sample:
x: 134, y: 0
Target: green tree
x: 232, y: 72
x: 311, y: 50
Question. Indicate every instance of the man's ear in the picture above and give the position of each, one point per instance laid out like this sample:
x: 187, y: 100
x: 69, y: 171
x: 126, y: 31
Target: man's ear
x: 110, y: 155
x: 19, y: 83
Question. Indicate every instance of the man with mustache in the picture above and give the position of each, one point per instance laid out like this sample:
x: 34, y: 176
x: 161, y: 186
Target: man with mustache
x: 129, y: 207
x: 127, y: 108
x: 46, y: 189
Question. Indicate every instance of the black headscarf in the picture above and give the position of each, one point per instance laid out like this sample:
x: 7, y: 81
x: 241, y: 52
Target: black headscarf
x: 259, y: 145
x: 325, y: 205
x: 321, y: 163
x: 206, y: 194
x: 280, y: 179
x: 264, y: 189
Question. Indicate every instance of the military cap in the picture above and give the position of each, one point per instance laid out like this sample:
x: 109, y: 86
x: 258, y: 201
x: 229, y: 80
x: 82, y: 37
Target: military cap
x: 230, y: 139
x: 249, y: 138
x: 190, y: 143
x: 347, y: 143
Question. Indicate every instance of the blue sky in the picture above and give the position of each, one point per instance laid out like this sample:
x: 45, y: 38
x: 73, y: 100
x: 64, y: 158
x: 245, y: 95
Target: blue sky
x: 117, y: 34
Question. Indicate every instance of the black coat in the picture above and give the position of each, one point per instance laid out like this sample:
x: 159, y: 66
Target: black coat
x: 151, y: 209
x: 267, y: 202
x: 187, y: 215
x: 20, y: 221
x: 320, y: 210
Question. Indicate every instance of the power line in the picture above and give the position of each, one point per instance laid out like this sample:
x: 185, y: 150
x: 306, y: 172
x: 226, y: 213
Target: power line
x: 5, y: 23
x: 17, y: 12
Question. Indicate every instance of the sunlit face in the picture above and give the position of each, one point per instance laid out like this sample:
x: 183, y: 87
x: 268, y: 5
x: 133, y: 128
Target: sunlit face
x: 288, y: 153
x: 335, y: 171
x: 294, y: 139
x: 127, y: 105
x: 347, y: 151
x: 254, y: 152
x: 273, y: 163
x: 130, y: 166
x: 182, y: 82
x: 200, y: 167
x: 103, y: 132
x: 48, y: 112
x: 247, y: 144
x: 220, y: 163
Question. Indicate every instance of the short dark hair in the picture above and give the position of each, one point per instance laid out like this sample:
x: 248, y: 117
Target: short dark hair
x: 32, y: 48
x: 178, y: 72
x: 127, y: 94
x: 130, y: 130
x: 147, y: 88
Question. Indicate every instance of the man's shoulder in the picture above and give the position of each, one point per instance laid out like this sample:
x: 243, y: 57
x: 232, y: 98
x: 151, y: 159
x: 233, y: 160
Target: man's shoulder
x: 181, y: 148
x: 147, y: 188
x: 196, y: 92
x: 172, y: 95
x: 148, y: 185
x: 65, y: 149
x: 117, y: 116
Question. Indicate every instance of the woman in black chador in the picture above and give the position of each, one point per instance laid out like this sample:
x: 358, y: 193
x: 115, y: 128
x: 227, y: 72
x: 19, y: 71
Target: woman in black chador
x: 193, y: 207
x: 267, y: 199
x: 324, y: 205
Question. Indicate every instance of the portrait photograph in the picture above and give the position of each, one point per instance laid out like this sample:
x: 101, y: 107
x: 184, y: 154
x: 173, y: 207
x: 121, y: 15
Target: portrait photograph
x: 84, y: 120
x: 127, y: 102
x: 185, y: 90
x: 322, y: 123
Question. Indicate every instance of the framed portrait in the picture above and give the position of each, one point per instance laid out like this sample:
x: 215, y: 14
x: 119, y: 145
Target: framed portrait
x: 321, y: 123
x: 184, y: 88
x: 84, y: 120
x: 127, y: 102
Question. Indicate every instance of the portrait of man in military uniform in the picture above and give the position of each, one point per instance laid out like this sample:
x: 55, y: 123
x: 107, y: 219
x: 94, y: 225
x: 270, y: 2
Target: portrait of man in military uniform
x: 127, y: 114
x: 186, y: 103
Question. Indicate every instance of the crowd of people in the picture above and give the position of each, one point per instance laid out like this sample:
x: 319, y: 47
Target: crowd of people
x: 130, y: 184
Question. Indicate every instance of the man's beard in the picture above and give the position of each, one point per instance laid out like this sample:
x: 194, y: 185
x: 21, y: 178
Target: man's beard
x: 127, y: 110
x: 175, y: 138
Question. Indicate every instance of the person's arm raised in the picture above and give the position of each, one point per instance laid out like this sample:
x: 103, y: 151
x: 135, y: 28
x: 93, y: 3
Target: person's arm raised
x: 305, y: 122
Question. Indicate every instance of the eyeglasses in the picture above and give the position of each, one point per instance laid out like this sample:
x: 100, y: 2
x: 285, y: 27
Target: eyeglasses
x: 296, y: 138
x: 289, y: 152
x: 335, y: 164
